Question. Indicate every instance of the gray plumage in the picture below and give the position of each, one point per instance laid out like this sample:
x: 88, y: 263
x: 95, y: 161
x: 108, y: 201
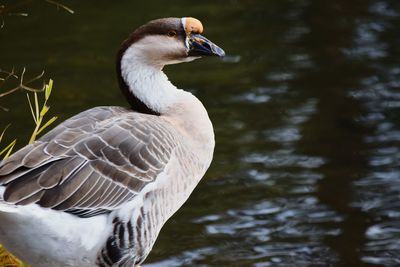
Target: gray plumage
x: 94, y: 161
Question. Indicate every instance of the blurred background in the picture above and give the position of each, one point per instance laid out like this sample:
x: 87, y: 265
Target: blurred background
x: 306, y: 111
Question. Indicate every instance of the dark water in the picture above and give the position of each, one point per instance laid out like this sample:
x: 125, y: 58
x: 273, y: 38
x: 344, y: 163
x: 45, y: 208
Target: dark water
x: 306, y: 110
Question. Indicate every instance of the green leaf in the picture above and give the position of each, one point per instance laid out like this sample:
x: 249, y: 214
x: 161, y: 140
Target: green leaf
x: 47, y: 91
x: 36, y: 106
x: 44, y: 110
x: 8, y: 149
x: 46, y: 124
x: 30, y: 106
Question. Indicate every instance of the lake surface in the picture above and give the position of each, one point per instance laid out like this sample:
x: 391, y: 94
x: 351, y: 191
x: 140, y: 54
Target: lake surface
x: 306, y: 111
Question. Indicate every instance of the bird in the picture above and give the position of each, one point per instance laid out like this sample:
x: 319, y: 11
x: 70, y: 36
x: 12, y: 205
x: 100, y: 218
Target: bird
x: 96, y: 190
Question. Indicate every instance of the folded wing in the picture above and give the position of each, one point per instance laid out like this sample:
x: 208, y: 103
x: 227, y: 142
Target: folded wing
x: 91, y: 163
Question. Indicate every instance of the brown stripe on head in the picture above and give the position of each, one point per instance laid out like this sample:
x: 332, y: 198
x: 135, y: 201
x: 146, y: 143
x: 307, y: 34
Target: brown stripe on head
x: 154, y: 27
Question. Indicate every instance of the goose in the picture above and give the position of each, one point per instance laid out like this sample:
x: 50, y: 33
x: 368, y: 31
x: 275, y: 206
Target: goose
x: 97, y: 189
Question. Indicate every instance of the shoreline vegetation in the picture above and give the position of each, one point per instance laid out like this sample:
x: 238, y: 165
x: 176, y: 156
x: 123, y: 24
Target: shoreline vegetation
x: 38, y: 112
x: 12, y: 81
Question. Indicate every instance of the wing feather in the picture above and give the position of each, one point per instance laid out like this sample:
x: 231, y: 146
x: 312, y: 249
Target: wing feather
x: 91, y: 163
x: 22, y: 189
x: 110, y: 193
x: 59, y: 194
x: 31, y: 199
x: 84, y: 191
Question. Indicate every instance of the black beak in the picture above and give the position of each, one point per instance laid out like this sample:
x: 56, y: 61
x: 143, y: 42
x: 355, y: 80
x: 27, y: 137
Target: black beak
x: 201, y: 46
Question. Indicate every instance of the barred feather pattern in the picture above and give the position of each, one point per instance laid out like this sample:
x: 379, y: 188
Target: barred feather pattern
x: 90, y: 164
x: 108, y: 160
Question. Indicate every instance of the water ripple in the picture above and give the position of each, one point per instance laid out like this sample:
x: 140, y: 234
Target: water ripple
x: 301, y: 219
x: 285, y: 158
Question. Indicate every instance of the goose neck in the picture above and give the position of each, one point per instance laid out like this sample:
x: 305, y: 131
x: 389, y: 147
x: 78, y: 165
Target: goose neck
x: 145, y: 84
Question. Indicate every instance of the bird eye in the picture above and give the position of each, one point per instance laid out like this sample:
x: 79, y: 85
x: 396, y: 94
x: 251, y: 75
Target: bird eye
x: 172, y: 33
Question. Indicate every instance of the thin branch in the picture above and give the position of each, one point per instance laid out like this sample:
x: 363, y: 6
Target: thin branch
x: 59, y: 5
x: 10, y: 91
x: 4, y: 130
x: 22, y: 84
x: 10, y: 74
x: 7, y: 10
x: 4, y: 108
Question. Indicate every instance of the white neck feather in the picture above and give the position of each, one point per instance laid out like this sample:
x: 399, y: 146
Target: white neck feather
x: 147, y: 81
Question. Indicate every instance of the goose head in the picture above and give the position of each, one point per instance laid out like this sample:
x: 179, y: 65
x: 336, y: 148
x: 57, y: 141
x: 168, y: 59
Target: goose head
x: 148, y: 49
x: 167, y: 41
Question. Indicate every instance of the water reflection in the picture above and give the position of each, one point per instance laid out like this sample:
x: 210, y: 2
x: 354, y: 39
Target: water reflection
x: 377, y: 192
